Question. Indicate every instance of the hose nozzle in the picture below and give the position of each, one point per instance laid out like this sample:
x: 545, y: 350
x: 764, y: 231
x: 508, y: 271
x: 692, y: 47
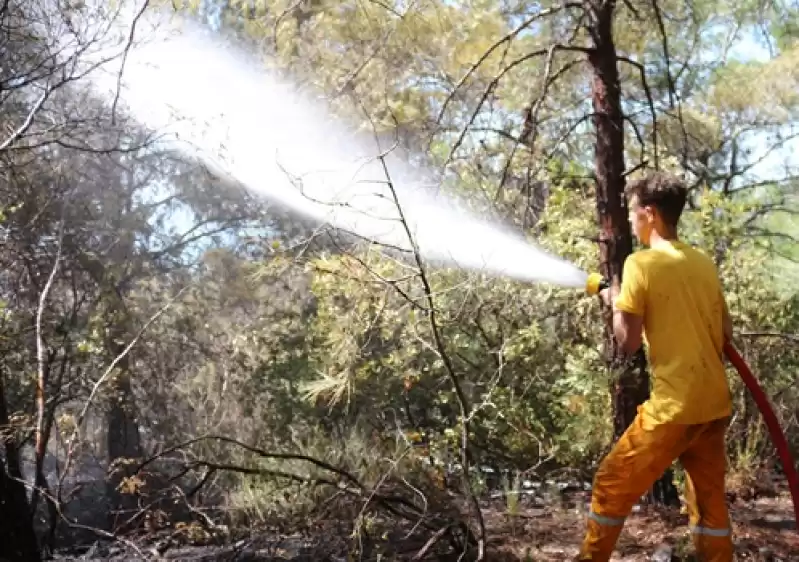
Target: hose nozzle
x: 595, y: 284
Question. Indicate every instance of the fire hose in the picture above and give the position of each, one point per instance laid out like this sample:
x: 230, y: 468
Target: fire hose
x: 597, y: 283
x: 774, y: 429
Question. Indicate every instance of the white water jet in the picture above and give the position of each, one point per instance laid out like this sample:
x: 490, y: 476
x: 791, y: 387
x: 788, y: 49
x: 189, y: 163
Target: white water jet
x: 279, y: 143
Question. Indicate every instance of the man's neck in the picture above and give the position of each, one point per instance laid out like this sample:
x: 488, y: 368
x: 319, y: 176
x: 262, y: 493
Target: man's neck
x: 659, y: 239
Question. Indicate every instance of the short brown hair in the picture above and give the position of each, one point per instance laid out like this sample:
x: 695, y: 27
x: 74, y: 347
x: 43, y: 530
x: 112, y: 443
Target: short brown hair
x: 663, y: 191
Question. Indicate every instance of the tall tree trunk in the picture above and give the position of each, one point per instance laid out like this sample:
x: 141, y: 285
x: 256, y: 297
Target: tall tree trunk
x: 17, y: 536
x: 616, y: 243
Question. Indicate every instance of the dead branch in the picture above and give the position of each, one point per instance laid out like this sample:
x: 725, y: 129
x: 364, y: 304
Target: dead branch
x: 776, y: 235
x: 568, y: 133
x: 352, y: 76
x: 52, y: 75
x: 437, y: 536
x: 665, y: 42
x: 651, y: 102
x: 75, y: 525
x: 394, y: 283
x: 766, y: 334
x: 637, y: 132
x: 125, y: 52
x: 346, y: 481
x: 22, y: 129
x: 529, y: 133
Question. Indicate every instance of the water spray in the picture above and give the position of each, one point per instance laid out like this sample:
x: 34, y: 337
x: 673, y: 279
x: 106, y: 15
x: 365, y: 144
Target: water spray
x: 595, y: 283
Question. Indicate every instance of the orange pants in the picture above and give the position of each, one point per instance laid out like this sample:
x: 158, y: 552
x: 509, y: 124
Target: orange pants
x: 637, y: 460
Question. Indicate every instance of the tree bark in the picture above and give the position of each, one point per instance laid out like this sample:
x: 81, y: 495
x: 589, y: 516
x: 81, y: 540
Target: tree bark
x: 632, y: 386
x: 17, y: 536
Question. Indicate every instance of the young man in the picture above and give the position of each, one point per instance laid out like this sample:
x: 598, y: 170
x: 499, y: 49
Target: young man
x: 671, y: 299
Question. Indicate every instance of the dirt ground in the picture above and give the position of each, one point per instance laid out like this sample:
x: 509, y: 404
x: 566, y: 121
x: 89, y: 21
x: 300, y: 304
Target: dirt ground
x: 764, y: 531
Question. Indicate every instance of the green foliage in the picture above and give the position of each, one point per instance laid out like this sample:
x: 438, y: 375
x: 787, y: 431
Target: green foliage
x: 527, y: 354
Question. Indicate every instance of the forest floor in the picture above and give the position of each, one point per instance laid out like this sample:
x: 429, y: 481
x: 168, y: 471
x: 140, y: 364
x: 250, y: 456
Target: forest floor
x: 763, y: 526
x: 764, y: 530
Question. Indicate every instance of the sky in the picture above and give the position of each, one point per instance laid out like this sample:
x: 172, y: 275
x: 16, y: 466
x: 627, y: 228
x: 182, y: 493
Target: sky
x: 751, y: 48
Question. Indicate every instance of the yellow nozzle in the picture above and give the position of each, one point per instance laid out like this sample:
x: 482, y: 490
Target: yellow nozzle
x: 595, y: 284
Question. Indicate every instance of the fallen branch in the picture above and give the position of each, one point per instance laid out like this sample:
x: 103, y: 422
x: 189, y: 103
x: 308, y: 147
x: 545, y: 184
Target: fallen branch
x: 346, y: 482
x: 430, y: 542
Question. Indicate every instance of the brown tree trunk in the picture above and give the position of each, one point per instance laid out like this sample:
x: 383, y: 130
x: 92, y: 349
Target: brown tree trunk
x: 616, y: 243
x: 17, y: 537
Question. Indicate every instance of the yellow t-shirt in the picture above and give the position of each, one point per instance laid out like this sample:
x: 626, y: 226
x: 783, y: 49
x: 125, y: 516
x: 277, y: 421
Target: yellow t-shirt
x: 676, y: 289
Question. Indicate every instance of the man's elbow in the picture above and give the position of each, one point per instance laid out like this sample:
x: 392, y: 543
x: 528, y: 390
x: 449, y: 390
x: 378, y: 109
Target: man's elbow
x: 628, y: 331
x: 627, y: 341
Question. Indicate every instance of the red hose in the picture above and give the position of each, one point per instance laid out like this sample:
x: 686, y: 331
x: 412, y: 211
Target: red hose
x: 777, y: 436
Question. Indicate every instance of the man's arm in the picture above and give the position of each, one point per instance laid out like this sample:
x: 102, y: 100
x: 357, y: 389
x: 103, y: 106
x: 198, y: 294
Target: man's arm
x: 628, y: 304
x: 628, y: 329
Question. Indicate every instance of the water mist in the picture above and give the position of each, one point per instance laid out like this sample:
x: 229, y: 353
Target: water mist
x: 219, y: 104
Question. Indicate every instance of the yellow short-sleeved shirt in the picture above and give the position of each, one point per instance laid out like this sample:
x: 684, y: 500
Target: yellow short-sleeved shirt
x: 676, y: 289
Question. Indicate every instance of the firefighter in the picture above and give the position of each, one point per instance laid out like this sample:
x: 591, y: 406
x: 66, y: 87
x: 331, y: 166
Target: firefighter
x: 671, y: 300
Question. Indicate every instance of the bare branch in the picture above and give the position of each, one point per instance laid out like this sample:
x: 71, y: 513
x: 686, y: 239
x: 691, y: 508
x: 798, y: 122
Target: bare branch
x: 442, y: 352
x: 346, y: 481
x: 766, y: 334
x: 125, y: 52
x: 530, y: 132
x: 22, y: 129
x: 508, y: 37
x: 495, y: 82
x: 72, y: 441
x: 42, y: 379
x: 75, y: 525
x: 651, y: 102
x: 666, y: 57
